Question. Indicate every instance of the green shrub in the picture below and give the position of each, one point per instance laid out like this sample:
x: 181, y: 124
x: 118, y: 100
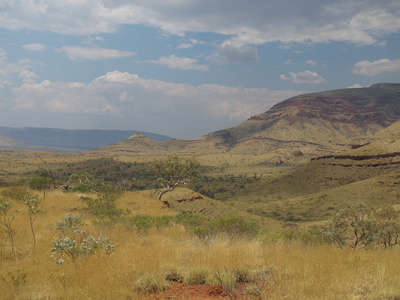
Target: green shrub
x: 143, y: 223
x: 104, y: 206
x: 190, y: 220
x: 75, y: 242
x: 359, y: 226
x: 233, y: 227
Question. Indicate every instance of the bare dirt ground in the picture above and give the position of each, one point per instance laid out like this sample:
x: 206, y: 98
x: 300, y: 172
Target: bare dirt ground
x: 179, y: 290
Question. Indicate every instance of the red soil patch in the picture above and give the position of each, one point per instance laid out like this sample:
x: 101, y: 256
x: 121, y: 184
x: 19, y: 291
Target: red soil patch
x: 179, y: 290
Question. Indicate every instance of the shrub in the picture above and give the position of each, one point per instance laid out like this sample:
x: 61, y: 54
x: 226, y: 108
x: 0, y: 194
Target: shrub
x: 104, y: 206
x: 142, y: 223
x: 172, y: 273
x: 227, y: 281
x: 233, y: 227
x: 359, y: 226
x: 75, y: 243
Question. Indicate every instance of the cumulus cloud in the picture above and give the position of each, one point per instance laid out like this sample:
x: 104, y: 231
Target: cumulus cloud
x: 304, y: 77
x: 181, y: 63
x: 94, y: 53
x: 28, y: 76
x: 373, y: 68
x: 230, y: 53
x: 359, y: 21
x: 9, y: 70
x: 147, y: 101
x: 34, y: 47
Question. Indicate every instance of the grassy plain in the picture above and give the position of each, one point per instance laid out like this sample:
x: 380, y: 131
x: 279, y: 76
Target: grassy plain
x: 285, y: 269
x: 267, y: 192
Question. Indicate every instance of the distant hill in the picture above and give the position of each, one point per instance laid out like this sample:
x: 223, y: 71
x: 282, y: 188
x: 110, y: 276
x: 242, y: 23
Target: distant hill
x: 310, y: 124
x: 63, y: 140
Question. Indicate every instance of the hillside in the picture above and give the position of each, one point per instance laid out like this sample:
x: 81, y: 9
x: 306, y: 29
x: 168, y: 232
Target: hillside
x: 310, y: 124
x: 315, y: 190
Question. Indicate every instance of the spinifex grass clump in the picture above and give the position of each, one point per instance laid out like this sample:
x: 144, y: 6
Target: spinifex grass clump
x: 150, y: 283
x: 75, y: 242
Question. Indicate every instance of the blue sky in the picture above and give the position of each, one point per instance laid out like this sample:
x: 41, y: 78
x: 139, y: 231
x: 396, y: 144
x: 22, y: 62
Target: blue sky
x: 184, y: 68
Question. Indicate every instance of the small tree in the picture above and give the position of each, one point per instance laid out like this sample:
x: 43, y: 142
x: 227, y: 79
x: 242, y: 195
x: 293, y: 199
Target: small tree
x: 7, y: 220
x: 41, y: 183
x: 174, y: 171
x: 359, y: 226
x: 32, y: 202
x: 388, y: 226
x: 86, y: 183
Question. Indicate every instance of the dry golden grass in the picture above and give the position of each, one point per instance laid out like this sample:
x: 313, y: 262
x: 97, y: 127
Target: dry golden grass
x: 295, y: 271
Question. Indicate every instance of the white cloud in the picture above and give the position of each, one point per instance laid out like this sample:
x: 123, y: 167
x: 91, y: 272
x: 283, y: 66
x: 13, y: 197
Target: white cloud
x: 189, y: 44
x: 368, y: 68
x: 255, y: 23
x: 181, y: 63
x: 9, y: 70
x: 148, y: 101
x: 184, y: 46
x: 65, y: 97
x: 34, y: 47
x: 284, y: 77
x: 94, y: 53
x: 304, y: 77
x: 311, y: 62
x: 28, y: 76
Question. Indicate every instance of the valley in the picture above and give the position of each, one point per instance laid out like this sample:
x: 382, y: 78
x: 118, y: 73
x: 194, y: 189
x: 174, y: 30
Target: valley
x: 264, y: 187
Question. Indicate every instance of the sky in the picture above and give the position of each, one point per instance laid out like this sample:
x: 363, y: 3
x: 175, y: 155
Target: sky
x: 184, y: 68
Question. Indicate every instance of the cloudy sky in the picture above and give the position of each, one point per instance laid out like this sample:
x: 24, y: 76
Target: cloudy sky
x: 184, y: 68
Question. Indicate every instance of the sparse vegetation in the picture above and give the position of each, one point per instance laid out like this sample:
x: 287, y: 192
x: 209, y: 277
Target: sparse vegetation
x: 255, y: 226
x: 279, y: 268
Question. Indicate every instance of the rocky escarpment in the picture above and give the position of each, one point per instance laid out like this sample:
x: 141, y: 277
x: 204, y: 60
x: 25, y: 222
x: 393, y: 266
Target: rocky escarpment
x: 326, y: 118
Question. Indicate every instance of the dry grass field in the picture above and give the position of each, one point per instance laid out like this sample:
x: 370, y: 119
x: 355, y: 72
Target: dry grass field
x: 272, y: 268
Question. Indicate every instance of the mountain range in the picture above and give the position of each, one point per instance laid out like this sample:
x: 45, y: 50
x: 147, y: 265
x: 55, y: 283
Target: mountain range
x: 307, y: 125
x: 63, y: 140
